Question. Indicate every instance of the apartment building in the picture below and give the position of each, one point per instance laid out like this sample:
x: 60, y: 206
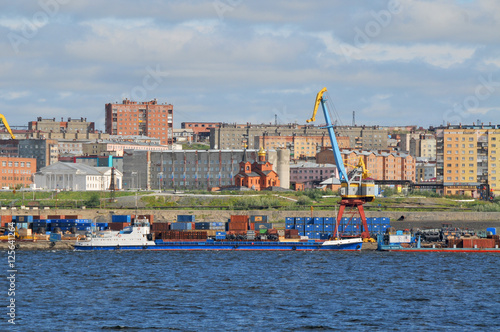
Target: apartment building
x: 468, y: 156
x: 17, y: 172
x: 70, y: 126
x: 423, y: 146
x: 310, y: 175
x: 234, y: 136
x: 426, y: 170
x: 301, y: 147
x: 380, y: 165
x: 141, y: 118
x: 45, y: 151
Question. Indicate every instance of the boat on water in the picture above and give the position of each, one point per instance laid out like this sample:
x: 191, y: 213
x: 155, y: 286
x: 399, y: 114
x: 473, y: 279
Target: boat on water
x: 138, y: 237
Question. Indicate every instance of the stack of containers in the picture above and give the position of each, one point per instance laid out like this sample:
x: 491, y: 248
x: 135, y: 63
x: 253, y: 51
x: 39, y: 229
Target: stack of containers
x: 7, y: 219
x: 238, y: 223
x: 300, y: 225
x: 41, y: 226
x: 119, y: 222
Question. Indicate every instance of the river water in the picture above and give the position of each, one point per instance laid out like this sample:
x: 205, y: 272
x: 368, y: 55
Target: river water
x: 254, y: 291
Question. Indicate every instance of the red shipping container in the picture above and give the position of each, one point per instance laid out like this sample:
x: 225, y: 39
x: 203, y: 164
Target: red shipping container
x: 468, y: 243
x: 75, y: 216
x: 56, y: 216
x: 39, y: 217
x: 252, y: 226
x: 117, y: 226
x: 243, y: 218
x: 6, y: 219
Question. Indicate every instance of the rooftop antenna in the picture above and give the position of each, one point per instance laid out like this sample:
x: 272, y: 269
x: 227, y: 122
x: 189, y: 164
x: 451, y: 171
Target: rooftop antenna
x: 353, y: 118
x: 275, y: 119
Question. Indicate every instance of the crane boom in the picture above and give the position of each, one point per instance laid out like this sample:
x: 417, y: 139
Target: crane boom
x: 329, y: 126
x: 3, y: 121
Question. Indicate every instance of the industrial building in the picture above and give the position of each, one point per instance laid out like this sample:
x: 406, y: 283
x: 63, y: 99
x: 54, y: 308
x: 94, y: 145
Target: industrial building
x: 141, y: 118
x: 310, y: 175
x: 194, y: 169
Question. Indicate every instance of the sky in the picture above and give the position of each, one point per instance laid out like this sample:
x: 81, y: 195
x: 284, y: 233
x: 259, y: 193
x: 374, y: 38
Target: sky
x: 393, y: 63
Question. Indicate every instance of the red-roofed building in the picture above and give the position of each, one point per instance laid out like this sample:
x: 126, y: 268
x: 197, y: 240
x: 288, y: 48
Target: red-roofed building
x: 257, y: 176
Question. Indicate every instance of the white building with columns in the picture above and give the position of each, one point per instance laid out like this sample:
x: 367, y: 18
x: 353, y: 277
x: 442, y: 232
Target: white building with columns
x: 76, y: 177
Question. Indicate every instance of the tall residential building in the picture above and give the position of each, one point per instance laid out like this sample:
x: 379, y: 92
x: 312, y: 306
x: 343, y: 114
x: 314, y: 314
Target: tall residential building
x: 141, y: 118
x: 467, y: 157
x: 46, y: 151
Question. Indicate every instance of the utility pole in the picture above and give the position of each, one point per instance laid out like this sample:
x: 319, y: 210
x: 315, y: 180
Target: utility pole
x: 353, y: 118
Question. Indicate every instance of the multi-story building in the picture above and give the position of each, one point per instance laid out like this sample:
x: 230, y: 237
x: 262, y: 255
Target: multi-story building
x: 52, y: 126
x: 301, y: 147
x: 141, y: 118
x: 310, y: 175
x: 468, y: 156
x: 45, y: 151
x: 426, y: 170
x: 380, y: 165
x: 17, y: 172
x: 424, y: 146
x: 70, y: 147
x: 201, y: 130
x: 113, y: 148
x: 234, y: 136
x: 194, y: 169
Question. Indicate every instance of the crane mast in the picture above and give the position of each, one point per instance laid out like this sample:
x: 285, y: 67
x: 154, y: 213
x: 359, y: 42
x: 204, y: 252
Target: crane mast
x: 355, y: 190
x: 3, y: 121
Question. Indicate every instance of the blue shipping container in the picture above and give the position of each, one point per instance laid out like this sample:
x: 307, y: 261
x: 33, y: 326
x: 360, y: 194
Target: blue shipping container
x: 186, y: 218
x: 318, y: 220
x: 289, y: 226
x: 299, y: 220
x: 308, y: 220
x: 120, y: 218
x: 318, y: 228
x: 309, y: 228
x: 289, y: 221
x: 329, y: 221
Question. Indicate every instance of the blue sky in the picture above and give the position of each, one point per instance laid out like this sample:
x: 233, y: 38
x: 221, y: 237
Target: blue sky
x: 392, y: 62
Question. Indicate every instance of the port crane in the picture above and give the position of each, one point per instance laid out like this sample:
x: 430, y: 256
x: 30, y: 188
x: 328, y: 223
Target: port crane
x: 3, y: 121
x: 355, y: 189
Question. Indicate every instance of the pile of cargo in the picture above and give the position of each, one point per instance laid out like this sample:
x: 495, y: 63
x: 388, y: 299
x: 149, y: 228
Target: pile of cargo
x: 493, y: 241
x: 180, y: 235
x: 323, y: 228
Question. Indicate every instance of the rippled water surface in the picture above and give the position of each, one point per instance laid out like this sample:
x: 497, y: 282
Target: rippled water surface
x: 258, y: 291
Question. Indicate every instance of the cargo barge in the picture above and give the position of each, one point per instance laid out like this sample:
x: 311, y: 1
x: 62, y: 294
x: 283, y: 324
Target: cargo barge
x: 138, y: 237
x: 453, y: 246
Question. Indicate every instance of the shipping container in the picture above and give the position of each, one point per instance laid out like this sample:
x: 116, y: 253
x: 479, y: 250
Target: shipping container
x: 318, y: 228
x: 318, y: 220
x: 289, y: 221
x: 329, y: 221
x: 300, y: 228
x: 308, y: 220
x: 260, y: 218
x: 299, y: 221
x: 120, y: 218
x: 240, y: 218
x: 328, y: 228
x: 24, y: 219
x: 289, y: 226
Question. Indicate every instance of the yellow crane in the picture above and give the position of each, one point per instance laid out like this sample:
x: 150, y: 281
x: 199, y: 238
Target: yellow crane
x: 3, y: 121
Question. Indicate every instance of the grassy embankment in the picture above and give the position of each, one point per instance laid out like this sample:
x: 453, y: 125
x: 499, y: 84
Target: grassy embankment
x: 239, y: 201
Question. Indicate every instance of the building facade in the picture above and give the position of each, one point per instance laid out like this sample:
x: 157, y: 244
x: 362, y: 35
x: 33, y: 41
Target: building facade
x: 310, y: 175
x: 201, y: 130
x: 141, y: 118
x: 468, y: 156
x: 17, y: 172
x: 70, y: 126
x: 191, y: 169
x: 46, y: 151
x: 301, y: 147
x: 424, y: 146
x: 380, y: 165
x: 77, y: 177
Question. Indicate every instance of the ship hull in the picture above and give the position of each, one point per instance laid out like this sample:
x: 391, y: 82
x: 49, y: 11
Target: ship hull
x: 231, y: 245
